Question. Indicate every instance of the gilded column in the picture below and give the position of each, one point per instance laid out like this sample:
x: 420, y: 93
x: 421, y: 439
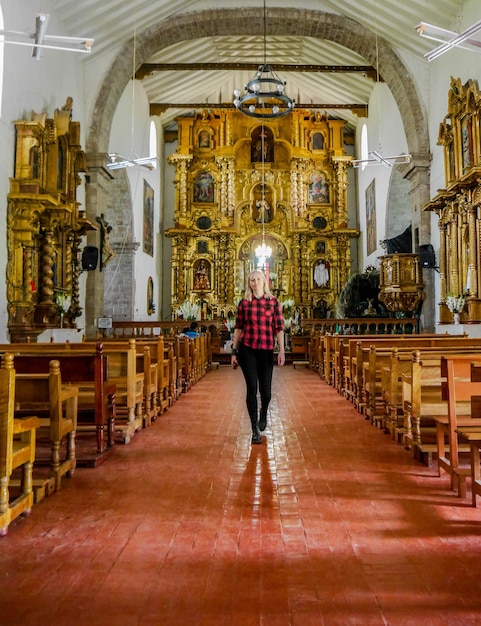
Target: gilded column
x: 183, y: 201
x: 228, y: 130
x: 296, y: 283
x: 230, y: 259
x: 27, y: 274
x: 230, y: 186
x: 442, y: 259
x: 223, y: 267
x: 473, y: 239
x: 340, y: 167
x: 75, y: 308
x: 47, y: 286
x: 305, y: 268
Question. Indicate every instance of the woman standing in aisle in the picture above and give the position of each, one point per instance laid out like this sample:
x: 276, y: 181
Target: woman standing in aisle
x: 259, y: 322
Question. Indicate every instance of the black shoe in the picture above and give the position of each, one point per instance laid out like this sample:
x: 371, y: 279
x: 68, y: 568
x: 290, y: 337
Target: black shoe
x: 262, y: 422
x: 256, y: 438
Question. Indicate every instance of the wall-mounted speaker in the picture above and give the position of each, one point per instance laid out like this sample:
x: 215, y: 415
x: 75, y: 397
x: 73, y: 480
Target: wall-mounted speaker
x: 90, y: 258
x: 427, y: 257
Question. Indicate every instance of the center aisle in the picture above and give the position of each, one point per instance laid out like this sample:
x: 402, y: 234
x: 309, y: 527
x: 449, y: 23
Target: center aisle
x: 327, y: 522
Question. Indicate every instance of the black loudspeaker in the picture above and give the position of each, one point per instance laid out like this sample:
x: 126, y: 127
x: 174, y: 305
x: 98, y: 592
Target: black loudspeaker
x: 427, y: 257
x: 90, y: 258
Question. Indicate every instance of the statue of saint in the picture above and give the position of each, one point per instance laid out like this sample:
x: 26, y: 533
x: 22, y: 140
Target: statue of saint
x: 201, y: 278
x: 321, y: 274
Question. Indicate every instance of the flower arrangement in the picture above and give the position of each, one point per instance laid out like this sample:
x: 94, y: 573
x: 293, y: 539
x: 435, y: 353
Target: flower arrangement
x: 288, y: 323
x: 288, y: 305
x: 188, y: 310
x: 455, y: 303
x: 287, y: 311
x: 230, y: 324
x: 63, y: 301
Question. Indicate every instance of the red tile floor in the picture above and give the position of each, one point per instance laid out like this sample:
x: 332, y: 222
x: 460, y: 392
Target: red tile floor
x: 328, y: 522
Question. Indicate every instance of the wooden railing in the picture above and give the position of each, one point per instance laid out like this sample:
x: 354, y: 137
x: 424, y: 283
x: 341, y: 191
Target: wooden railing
x: 362, y: 326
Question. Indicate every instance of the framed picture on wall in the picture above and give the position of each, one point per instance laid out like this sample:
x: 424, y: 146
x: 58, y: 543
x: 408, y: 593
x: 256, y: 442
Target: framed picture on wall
x: 148, y: 239
x: 371, y: 235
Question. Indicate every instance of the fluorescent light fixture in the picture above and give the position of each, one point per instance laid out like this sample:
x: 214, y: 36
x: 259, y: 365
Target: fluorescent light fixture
x: 377, y: 159
x: 40, y: 40
x: 448, y: 38
x: 118, y: 162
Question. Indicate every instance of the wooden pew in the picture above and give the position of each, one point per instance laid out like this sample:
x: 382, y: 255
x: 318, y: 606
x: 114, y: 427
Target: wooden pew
x: 400, y: 363
x: 472, y: 436
x: 359, y: 350
x: 162, y: 366
x: 425, y: 402
x: 129, y: 384
x: 56, y: 406
x: 464, y: 411
x: 96, y: 402
x: 17, y: 449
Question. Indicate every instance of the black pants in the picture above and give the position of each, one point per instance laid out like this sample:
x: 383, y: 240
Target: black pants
x: 257, y: 367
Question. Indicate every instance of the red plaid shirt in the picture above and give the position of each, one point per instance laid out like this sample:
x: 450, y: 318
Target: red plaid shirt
x: 260, y: 319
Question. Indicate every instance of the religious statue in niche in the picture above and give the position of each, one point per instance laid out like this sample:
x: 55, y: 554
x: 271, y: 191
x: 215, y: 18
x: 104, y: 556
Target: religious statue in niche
x: 321, y: 273
x: 318, y: 188
x: 204, y: 139
x: 201, y: 276
x: 318, y: 141
x: 204, y: 188
x: 262, y: 146
x: 107, y: 254
x: 262, y: 210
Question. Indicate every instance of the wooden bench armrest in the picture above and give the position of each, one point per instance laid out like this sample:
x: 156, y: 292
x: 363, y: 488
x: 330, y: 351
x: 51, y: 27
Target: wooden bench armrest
x: 24, y: 424
x: 69, y: 392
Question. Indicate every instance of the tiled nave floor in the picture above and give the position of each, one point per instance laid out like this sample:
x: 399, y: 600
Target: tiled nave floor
x: 328, y: 522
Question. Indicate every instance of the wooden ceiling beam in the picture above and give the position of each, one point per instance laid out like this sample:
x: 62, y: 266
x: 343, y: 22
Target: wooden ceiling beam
x: 146, y: 69
x: 157, y: 108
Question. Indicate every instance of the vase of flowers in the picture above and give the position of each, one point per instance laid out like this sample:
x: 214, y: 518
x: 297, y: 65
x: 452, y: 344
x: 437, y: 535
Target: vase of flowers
x: 63, y: 300
x: 189, y: 311
x: 455, y: 304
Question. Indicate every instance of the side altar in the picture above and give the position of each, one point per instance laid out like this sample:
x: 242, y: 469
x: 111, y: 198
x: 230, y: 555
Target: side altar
x: 458, y: 207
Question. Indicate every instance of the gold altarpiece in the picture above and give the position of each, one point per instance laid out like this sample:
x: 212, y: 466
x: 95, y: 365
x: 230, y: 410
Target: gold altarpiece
x: 458, y: 206
x: 44, y: 226
x: 236, y: 175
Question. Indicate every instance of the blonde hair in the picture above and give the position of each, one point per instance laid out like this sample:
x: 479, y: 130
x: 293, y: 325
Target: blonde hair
x: 248, y: 292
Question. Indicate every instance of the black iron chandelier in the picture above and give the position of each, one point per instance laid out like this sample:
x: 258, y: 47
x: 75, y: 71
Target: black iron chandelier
x: 264, y: 96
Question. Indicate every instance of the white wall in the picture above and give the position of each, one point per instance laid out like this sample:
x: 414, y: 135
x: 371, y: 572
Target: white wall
x: 385, y: 136
x: 130, y: 138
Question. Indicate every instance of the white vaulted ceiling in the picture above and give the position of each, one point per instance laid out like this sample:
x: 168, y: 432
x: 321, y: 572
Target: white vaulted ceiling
x: 114, y: 22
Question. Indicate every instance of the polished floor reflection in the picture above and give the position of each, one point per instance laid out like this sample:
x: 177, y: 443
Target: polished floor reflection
x: 328, y: 522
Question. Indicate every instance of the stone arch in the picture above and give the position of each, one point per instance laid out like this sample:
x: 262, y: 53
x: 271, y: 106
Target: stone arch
x: 290, y: 21
x: 301, y: 22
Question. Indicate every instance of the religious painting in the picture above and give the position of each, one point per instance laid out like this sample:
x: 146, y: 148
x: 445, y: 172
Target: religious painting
x: 318, y: 141
x: 320, y: 247
x: 318, y: 188
x: 204, y: 188
x: 201, y: 275
x: 148, y: 239
x: 371, y: 235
